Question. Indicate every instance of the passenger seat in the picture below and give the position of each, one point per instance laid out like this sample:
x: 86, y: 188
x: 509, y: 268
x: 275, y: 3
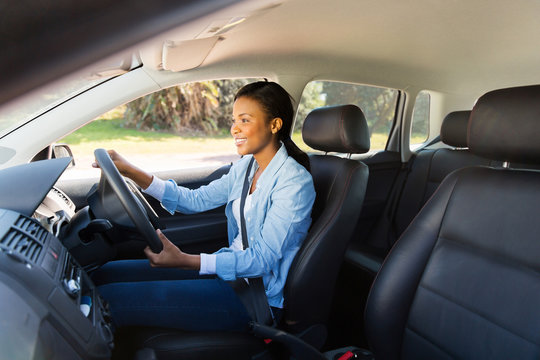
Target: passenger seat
x: 426, y: 171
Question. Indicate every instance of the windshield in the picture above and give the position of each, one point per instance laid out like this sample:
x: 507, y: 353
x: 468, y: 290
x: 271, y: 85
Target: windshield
x: 12, y: 117
x: 46, y: 98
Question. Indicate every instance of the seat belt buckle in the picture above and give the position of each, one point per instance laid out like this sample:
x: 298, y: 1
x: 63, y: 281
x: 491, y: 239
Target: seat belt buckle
x: 347, y: 355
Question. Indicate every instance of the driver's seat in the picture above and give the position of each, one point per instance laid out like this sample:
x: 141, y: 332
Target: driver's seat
x: 340, y: 185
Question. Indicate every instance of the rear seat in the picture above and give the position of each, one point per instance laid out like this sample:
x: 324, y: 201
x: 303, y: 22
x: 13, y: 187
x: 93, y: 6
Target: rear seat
x: 426, y: 172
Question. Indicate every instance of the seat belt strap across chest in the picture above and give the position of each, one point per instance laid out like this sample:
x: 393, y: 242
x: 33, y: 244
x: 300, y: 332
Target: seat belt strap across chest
x: 256, y: 286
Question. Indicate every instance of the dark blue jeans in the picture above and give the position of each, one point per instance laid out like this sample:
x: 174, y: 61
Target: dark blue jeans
x: 173, y: 298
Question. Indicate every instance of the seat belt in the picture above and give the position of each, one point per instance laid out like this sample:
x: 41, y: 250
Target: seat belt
x: 254, y: 295
x: 399, y: 186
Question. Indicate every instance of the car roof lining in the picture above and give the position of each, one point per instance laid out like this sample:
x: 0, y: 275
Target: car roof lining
x: 460, y: 47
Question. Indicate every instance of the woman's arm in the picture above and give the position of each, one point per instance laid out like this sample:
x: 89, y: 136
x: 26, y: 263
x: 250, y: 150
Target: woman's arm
x: 175, y: 197
x: 211, y: 196
x: 188, y: 201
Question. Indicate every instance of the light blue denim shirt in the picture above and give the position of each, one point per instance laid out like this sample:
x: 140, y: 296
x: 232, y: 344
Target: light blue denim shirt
x: 276, y: 224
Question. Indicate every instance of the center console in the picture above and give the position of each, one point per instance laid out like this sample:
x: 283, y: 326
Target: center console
x: 51, y: 307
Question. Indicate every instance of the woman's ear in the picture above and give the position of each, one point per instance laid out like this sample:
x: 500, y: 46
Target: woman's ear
x: 276, y: 125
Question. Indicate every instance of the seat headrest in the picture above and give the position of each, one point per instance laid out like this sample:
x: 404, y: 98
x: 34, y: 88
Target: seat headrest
x: 505, y: 125
x: 454, y: 128
x: 341, y: 128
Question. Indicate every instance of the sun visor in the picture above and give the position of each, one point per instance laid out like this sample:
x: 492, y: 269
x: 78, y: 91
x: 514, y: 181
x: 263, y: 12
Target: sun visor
x: 185, y: 55
x: 187, y: 46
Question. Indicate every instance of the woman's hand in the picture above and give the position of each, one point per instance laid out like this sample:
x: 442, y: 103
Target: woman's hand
x: 172, y: 256
x: 124, y: 167
x: 127, y: 169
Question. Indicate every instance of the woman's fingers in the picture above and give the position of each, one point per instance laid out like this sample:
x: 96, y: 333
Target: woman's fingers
x: 170, y: 256
x: 121, y: 164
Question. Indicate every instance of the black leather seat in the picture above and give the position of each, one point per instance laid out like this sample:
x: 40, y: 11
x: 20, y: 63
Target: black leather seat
x: 428, y: 169
x: 431, y: 166
x: 340, y: 185
x: 464, y: 279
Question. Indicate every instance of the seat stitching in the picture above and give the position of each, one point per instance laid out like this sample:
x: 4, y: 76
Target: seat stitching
x: 455, y: 301
x: 417, y: 333
x: 492, y: 255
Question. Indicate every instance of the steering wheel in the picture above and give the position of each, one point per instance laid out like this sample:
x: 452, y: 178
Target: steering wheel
x: 133, y: 208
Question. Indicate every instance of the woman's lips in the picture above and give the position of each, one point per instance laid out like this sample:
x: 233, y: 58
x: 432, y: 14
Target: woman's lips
x: 239, y: 141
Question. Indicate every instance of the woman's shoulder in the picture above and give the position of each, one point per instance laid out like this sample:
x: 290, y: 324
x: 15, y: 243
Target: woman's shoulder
x: 292, y: 170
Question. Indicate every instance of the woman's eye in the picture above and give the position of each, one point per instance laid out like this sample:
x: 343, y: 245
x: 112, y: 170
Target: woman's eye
x: 240, y: 121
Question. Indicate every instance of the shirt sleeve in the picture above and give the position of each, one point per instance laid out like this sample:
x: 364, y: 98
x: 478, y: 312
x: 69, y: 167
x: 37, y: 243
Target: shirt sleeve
x: 188, y: 201
x: 156, y: 188
x: 208, y: 264
x: 285, y: 227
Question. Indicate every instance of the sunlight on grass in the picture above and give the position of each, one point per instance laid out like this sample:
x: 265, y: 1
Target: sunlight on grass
x: 109, y: 134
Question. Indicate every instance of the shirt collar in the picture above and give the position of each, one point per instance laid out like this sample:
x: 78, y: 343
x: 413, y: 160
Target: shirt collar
x: 275, y: 164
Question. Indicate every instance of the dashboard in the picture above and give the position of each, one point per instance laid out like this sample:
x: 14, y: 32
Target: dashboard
x: 52, y: 309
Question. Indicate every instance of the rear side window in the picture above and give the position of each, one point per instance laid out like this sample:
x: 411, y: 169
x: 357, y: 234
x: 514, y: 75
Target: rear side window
x: 420, y: 119
x: 378, y: 105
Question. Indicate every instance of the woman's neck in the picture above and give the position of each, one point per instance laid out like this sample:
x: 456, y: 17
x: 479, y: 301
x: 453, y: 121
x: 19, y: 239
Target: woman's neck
x: 266, y: 155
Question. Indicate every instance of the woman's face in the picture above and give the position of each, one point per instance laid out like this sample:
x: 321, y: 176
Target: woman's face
x: 253, y: 132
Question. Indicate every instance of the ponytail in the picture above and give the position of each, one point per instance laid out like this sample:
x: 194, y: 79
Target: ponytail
x: 277, y: 103
x: 294, y: 151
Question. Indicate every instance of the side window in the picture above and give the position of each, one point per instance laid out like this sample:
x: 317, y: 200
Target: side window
x: 420, y: 119
x: 185, y: 126
x: 378, y: 105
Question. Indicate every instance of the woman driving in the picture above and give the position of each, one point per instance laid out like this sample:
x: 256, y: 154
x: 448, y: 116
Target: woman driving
x: 179, y: 290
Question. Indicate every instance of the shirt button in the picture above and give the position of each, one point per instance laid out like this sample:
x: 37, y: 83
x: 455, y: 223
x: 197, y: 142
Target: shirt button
x: 249, y: 219
x: 251, y: 238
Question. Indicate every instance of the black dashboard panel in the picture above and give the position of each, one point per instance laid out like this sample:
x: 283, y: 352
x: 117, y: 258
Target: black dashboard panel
x: 23, y: 187
x: 52, y: 309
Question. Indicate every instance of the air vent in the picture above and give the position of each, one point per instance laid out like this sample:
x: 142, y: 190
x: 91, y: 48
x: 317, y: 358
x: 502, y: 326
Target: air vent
x: 61, y: 195
x: 64, y: 198
x: 26, y: 238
